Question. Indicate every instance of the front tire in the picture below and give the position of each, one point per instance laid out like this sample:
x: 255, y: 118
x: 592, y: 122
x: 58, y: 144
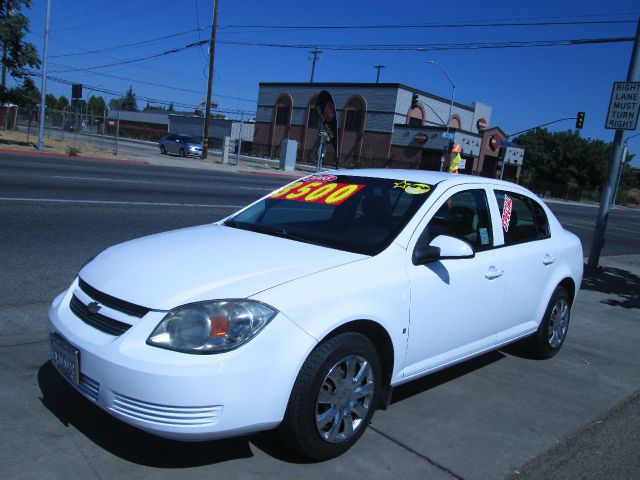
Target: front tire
x: 182, y: 153
x: 551, y: 333
x: 334, y: 397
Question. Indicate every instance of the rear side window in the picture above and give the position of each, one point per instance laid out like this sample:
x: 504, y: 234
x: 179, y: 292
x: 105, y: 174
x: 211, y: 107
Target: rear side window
x: 464, y: 215
x: 523, y: 219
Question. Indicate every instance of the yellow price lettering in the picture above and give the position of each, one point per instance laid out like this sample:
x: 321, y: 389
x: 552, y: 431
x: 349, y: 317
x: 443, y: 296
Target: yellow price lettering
x: 302, y: 191
x: 321, y: 192
x: 341, y: 194
x: 285, y: 190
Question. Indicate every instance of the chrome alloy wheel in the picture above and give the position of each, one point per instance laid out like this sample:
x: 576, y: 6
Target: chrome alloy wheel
x: 344, y: 399
x: 558, y: 323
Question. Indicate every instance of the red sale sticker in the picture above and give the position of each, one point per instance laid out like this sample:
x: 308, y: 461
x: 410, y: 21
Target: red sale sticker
x: 320, y: 178
x: 506, y: 212
x: 318, y: 192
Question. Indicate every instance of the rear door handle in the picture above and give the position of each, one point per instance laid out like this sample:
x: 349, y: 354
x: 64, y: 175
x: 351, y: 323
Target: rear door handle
x: 493, y: 273
x: 548, y: 259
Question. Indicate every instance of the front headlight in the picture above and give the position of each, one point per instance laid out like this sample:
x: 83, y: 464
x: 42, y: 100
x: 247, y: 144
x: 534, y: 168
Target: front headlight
x: 212, y: 326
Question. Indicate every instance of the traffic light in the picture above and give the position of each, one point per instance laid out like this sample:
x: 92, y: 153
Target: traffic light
x: 580, y: 120
x: 414, y: 100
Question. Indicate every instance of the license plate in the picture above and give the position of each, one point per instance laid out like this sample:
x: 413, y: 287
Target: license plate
x: 66, y: 358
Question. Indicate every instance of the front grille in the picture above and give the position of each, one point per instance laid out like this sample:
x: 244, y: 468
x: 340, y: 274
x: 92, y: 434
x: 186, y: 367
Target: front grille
x: 113, y: 302
x: 165, y: 414
x: 102, y: 323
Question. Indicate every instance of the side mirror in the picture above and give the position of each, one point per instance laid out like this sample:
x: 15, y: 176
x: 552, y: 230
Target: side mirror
x: 443, y: 247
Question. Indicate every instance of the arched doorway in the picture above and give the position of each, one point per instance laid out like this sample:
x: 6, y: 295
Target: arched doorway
x: 281, y: 122
x: 353, y: 122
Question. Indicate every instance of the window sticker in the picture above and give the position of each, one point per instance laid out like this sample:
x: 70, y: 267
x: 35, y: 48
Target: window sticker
x: 413, y: 188
x: 484, y: 236
x: 320, y: 178
x: 318, y: 192
x: 506, y: 212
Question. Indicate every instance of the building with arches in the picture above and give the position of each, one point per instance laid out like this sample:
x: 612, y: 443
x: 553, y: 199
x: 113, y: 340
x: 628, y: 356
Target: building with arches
x: 379, y: 125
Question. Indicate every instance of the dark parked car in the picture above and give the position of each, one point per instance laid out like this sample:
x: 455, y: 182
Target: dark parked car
x: 182, y: 145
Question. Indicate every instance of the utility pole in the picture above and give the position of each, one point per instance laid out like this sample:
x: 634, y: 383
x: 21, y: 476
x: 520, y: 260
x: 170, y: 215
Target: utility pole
x: 212, y: 49
x: 378, y: 67
x: 633, y: 75
x: 316, y: 55
x: 43, y: 84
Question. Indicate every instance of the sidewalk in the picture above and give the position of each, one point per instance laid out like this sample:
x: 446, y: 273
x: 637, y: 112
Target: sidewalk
x: 609, y: 446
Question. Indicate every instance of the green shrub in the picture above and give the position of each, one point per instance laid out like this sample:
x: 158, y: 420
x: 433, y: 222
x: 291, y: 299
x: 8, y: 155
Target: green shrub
x: 72, y: 150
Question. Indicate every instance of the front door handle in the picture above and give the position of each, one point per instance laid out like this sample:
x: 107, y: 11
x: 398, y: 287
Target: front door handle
x: 493, y: 273
x: 548, y: 259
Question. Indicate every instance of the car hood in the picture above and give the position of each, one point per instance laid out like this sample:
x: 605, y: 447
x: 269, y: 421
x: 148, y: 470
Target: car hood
x: 201, y: 263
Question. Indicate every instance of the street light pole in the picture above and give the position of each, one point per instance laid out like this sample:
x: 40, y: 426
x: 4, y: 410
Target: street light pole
x: 453, y: 95
x: 43, y: 84
x: 212, y: 49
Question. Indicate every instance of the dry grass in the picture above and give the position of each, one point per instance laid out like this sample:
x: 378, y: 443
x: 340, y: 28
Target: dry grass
x: 14, y: 140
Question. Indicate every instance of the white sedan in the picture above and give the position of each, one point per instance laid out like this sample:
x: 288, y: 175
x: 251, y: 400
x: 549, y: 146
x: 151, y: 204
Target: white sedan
x: 303, y: 310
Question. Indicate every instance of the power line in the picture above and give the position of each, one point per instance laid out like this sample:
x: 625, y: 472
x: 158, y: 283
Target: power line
x: 437, y: 46
x: 127, y: 45
x: 145, y: 82
x: 149, y: 57
x: 115, y: 93
x: 478, y: 24
x: 130, y: 14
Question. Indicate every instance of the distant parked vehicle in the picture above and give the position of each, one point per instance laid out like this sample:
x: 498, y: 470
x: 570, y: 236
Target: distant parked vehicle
x: 182, y: 145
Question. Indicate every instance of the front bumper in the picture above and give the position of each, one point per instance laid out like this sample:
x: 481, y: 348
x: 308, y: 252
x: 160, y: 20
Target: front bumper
x: 182, y: 396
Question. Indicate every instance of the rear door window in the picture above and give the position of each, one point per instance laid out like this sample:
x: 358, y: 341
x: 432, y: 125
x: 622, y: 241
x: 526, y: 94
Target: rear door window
x: 523, y: 219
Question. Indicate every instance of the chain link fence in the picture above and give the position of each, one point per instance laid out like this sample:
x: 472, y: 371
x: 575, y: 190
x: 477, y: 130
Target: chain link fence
x: 70, y: 128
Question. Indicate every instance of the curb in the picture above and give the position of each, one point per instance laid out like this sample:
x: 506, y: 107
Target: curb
x: 269, y: 174
x: 75, y: 157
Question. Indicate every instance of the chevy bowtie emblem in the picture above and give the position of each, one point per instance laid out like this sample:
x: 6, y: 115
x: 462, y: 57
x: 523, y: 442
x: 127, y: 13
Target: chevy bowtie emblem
x: 94, y: 307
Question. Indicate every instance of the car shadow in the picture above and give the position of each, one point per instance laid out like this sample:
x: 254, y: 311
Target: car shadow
x: 436, y: 379
x: 621, y: 286
x: 127, y: 442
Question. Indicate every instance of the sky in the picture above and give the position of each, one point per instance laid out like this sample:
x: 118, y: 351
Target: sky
x: 107, y: 46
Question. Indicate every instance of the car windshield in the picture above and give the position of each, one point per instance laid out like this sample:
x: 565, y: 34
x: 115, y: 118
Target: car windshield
x: 188, y: 139
x: 352, y: 213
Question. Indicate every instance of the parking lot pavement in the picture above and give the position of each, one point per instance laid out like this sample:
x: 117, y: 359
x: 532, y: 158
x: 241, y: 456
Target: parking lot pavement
x: 497, y: 416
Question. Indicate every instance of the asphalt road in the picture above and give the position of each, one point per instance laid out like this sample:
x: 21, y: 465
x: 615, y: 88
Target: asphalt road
x: 480, y: 420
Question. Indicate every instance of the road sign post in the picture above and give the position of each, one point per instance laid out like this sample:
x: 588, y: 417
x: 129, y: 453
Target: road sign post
x: 620, y: 124
x: 624, y: 106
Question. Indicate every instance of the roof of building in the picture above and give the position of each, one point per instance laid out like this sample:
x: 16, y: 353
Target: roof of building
x: 363, y: 85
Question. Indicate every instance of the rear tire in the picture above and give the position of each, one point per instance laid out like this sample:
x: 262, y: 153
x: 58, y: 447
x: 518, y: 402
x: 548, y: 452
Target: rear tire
x: 551, y: 333
x: 163, y: 150
x: 333, y: 398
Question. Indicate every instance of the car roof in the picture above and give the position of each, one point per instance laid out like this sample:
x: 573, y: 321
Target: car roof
x: 424, y: 176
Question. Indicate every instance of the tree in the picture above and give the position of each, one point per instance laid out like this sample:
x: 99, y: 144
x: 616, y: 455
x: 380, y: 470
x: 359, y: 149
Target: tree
x: 96, y: 105
x: 51, y: 101
x: 154, y: 108
x: 16, y: 53
x: 171, y: 109
x: 63, y: 102
x: 127, y: 102
x: 26, y: 95
x: 115, y: 104
x: 564, y: 158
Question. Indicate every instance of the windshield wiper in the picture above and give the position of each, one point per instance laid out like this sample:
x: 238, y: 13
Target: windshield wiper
x: 280, y: 232
x: 231, y: 223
